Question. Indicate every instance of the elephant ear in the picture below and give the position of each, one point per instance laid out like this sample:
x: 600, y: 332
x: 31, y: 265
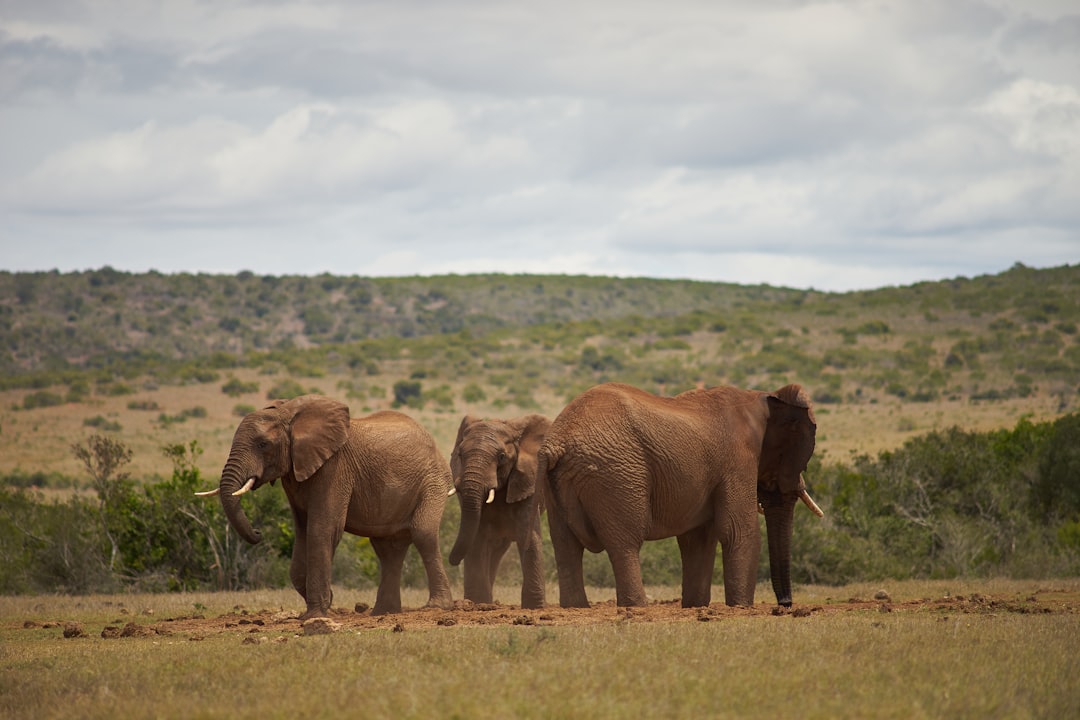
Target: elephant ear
x: 455, y: 455
x: 319, y: 427
x: 522, y: 481
x: 789, y: 440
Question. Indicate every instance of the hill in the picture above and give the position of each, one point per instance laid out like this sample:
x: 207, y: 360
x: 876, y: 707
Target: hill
x: 157, y: 359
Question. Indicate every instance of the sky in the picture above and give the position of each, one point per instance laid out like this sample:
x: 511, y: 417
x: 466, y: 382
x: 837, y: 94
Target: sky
x: 831, y: 145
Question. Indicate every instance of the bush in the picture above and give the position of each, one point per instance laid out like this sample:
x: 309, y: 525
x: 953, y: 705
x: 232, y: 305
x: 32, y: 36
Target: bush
x: 235, y: 387
x: 408, y: 392
x: 40, y: 399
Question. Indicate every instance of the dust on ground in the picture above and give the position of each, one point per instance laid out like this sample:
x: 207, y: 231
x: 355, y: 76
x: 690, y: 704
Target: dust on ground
x: 254, y: 624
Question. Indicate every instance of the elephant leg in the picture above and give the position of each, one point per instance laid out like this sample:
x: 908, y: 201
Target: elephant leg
x: 698, y: 550
x: 740, y: 554
x: 391, y: 553
x: 427, y: 544
x: 532, y: 569
x: 498, y: 549
x: 629, y: 588
x: 319, y: 554
x: 298, y: 566
x: 568, y: 554
x: 478, y: 578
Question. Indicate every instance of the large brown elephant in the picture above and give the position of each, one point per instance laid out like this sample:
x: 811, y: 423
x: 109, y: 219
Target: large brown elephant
x: 621, y: 466
x: 494, y: 468
x: 379, y: 476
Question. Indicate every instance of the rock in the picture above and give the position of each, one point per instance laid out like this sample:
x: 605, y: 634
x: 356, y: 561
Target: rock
x: 320, y: 626
x: 74, y: 630
x: 136, y: 630
x: 361, y: 607
x: 883, y: 596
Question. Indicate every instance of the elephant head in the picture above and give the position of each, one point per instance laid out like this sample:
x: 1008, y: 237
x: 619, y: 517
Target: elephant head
x: 786, y: 448
x: 287, y: 438
x: 490, y: 458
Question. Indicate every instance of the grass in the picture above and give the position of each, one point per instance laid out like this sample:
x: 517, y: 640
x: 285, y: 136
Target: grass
x: 40, y: 439
x: 847, y: 665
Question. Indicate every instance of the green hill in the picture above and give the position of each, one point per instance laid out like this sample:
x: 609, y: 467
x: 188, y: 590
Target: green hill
x: 168, y: 357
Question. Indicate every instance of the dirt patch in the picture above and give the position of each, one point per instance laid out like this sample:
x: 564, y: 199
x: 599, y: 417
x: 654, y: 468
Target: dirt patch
x: 246, y: 623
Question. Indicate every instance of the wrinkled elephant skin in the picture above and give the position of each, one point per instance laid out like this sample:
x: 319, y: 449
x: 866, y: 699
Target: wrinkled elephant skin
x: 620, y: 466
x: 379, y: 476
x: 494, y: 469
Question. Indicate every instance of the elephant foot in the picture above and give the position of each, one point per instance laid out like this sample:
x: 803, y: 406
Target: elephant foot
x: 443, y: 603
x: 315, y: 613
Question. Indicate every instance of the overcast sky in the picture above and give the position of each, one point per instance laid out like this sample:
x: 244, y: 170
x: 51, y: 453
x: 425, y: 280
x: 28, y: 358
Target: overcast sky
x: 838, y: 145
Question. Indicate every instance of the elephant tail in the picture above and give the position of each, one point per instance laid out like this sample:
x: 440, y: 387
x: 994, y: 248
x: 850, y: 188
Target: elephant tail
x: 547, y: 460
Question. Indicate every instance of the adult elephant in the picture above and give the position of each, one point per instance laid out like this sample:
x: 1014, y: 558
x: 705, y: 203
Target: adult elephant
x: 494, y: 469
x: 622, y: 466
x: 379, y: 476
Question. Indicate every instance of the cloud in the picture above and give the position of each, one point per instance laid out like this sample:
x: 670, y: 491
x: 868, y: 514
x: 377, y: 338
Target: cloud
x: 848, y: 143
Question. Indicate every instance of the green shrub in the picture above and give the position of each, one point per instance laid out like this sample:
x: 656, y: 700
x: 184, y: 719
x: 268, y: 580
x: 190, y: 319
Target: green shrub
x: 41, y: 399
x: 101, y: 423
x: 473, y: 393
x: 236, y: 387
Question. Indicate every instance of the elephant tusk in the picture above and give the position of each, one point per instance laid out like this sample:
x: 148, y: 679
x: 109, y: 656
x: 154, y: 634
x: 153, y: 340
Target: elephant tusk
x: 490, y: 497
x: 809, y: 502
x: 452, y: 491
x: 247, y: 486
x: 760, y: 509
x: 208, y: 493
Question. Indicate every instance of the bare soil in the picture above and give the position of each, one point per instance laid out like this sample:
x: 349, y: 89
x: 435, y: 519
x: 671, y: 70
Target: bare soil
x: 263, y: 625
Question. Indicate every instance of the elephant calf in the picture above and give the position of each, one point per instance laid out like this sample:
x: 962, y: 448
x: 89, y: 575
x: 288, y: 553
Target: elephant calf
x: 494, y: 468
x: 379, y: 476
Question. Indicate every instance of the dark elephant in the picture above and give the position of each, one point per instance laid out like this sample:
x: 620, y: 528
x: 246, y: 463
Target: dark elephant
x: 494, y: 469
x: 379, y: 476
x: 621, y: 466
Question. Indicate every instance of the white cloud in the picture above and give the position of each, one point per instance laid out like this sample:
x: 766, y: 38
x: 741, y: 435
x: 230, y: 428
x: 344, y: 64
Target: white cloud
x: 845, y: 144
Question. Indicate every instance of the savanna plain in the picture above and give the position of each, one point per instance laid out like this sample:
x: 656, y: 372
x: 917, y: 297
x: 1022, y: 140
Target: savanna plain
x: 885, y: 367
x: 921, y: 649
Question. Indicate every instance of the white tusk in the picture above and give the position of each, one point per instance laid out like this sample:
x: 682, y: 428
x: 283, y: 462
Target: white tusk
x: 809, y: 502
x: 491, y: 497
x: 760, y: 510
x: 208, y: 493
x: 247, y: 486
x: 452, y: 491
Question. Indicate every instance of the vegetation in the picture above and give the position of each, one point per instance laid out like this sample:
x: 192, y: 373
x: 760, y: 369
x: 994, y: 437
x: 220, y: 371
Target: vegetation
x: 151, y: 361
x: 946, y: 504
x: 850, y: 665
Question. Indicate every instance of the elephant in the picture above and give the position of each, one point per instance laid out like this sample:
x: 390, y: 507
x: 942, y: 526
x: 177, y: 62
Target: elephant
x: 620, y: 466
x: 379, y: 476
x: 494, y: 469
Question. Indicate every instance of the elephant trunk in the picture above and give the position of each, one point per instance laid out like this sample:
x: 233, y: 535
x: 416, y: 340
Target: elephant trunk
x: 471, y: 505
x: 779, y: 518
x: 231, y: 483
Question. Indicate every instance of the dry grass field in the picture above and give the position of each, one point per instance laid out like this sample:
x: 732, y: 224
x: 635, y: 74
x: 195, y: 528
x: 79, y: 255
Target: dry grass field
x: 916, y: 649
x: 40, y: 439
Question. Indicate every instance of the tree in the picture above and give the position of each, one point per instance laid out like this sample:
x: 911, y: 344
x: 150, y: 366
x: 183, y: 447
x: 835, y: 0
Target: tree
x: 104, y: 457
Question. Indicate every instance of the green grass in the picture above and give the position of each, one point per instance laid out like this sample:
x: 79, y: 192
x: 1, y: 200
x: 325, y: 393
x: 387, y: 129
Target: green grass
x: 862, y: 664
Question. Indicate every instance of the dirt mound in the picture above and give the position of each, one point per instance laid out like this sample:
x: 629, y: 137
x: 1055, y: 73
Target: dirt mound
x: 265, y: 623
